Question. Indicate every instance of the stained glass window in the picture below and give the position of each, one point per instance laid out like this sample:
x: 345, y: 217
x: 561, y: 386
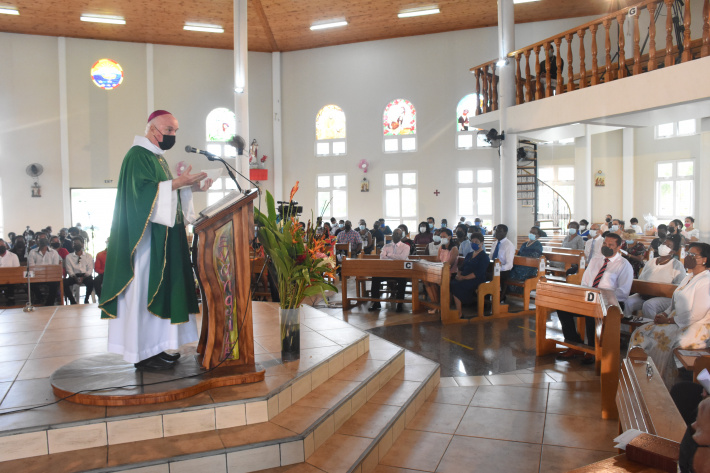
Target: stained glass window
x: 221, y: 125
x: 465, y: 110
x: 400, y: 118
x: 330, y: 123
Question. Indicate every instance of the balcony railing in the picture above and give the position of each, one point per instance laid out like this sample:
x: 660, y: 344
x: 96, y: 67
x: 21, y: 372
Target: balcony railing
x: 679, y: 47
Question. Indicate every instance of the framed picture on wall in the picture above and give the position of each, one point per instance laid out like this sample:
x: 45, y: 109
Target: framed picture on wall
x: 599, y: 179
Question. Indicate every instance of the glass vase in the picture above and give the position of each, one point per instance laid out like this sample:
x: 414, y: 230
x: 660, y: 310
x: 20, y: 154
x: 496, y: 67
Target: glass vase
x: 290, y: 325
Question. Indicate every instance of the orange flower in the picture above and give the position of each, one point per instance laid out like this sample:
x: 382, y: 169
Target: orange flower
x: 294, y: 190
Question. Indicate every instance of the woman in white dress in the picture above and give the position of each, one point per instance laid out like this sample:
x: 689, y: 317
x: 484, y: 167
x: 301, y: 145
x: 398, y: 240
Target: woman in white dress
x: 686, y: 322
x: 691, y: 234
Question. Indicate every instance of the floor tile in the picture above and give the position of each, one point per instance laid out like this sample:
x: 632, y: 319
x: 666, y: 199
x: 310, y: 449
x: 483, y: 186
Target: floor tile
x: 298, y: 418
x: 511, y: 397
x: 297, y: 468
x: 29, y: 393
x: 10, y: 369
x: 392, y: 469
x: 70, y: 347
x: 472, y: 381
x: 338, y: 453
x: 563, y: 459
x: 502, y: 424
x: 60, y: 413
x: 448, y: 382
x: 396, y: 392
x: 360, y: 369
x: 486, y: 455
x: 369, y: 421
x: 76, y: 333
x: 502, y: 379
x: 588, y: 385
x: 575, y: 403
x: 580, y: 432
x: 436, y: 417
x: 163, y: 448
x: 19, y: 338
x: 534, y: 378
x: 246, y: 434
x: 16, y: 353
x: 415, y: 372
x: 417, y: 450
x: 44, y: 367
x: 328, y: 394
x: 454, y: 395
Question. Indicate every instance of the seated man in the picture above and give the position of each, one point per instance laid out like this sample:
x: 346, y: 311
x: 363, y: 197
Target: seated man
x: 99, y: 266
x: 611, y: 271
x: 384, y: 227
x: 348, y: 235
x: 80, y: 269
x: 593, y: 246
x: 19, y: 247
x: 617, y: 226
x: 44, y: 255
x: 573, y: 241
x: 397, y: 250
x: 8, y: 259
x: 504, y: 250
x: 368, y: 242
x: 635, y: 225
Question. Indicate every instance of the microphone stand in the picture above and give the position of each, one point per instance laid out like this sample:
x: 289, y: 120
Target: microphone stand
x: 28, y: 307
x: 230, y: 168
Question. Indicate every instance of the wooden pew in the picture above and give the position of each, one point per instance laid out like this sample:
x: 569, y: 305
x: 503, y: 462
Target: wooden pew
x: 491, y: 288
x: 41, y: 274
x: 529, y: 284
x: 568, y: 260
x: 593, y: 302
x: 421, y: 249
x: 343, y: 247
x: 644, y: 402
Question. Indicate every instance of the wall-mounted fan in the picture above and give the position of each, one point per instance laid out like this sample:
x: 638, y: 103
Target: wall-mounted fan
x: 34, y: 170
x: 492, y: 137
x: 239, y: 143
x: 363, y: 164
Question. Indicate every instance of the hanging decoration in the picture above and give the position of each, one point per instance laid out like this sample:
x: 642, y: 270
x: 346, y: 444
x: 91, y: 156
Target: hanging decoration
x: 34, y: 171
x: 600, y: 179
x: 363, y: 164
x: 365, y: 185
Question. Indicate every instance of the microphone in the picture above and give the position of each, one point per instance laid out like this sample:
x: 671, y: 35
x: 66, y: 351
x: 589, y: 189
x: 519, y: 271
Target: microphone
x: 190, y: 149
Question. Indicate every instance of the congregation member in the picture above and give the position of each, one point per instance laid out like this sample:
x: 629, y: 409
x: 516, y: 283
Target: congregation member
x: 664, y: 269
x: 694, y: 452
x: 635, y: 226
x: 690, y: 233
x: 99, y: 267
x: 327, y: 231
x: 56, y: 245
x: 472, y: 274
x: 685, y: 323
x: 633, y: 250
x: 606, y: 226
x: 378, y: 235
x: 478, y: 223
x: 19, y: 247
x: 79, y: 266
x: 543, y: 234
x: 462, y: 237
x: 573, y: 241
x: 424, y: 237
x: 8, y: 259
x: 583, y: 229
x: 611, y: 271
x: 662, y: 233
x: 444, y: 223
x: 504, y: 251
x: 406, y: 240
x: 676, y: 226
x: 530, y: 249
x: 448, y: 253
x: 431, y: 223
x: 433, y: 247
x: 368, y: 243
x: 396, y: 250
x: 44, y: 255
x: 348, y: 235
x: 384, y: 227
x: 339, y: 227
x: 64, y: 241
x: 617, y: 226
x: 593, y: 246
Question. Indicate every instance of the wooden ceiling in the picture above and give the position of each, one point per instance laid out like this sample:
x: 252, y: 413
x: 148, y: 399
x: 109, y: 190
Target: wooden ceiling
x: 275, y: 25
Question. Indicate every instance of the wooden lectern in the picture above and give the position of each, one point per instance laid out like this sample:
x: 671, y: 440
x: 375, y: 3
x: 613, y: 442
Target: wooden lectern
x: 221, y: 255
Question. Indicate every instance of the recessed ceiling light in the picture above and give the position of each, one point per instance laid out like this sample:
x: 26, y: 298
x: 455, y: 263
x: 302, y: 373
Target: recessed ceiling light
x: 329, y: 24
x: 112, y: 19
x: 418, y: 12
x: 9, y: 11
x: 205, y: 28
x: 524, y: 1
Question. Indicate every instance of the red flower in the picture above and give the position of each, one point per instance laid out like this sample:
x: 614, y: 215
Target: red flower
x: 301, y: 258
x: 294, y: 190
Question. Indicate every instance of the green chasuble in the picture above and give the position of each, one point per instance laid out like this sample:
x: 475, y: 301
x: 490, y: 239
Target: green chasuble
x: 171, y: 284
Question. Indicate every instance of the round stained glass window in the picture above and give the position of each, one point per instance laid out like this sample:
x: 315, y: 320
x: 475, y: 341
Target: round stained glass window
x: 106, y: 74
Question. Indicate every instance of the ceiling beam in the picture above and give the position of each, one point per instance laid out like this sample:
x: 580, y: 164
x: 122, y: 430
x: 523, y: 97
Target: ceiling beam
x: 265, y: 24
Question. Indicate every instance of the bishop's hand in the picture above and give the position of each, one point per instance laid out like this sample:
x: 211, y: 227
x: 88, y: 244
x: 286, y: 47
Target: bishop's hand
x: 188, y: 180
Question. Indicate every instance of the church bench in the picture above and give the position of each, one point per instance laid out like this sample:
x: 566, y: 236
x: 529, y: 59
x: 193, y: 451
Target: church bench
x: 39, y: 274
x: 593, y: 302
x: 421, y: 249
x: 568, y: 260
x: 648, y: 288
x: 345, y: 247
x: 530, y: 284
x: 491, y: 288
x: 644, y: 402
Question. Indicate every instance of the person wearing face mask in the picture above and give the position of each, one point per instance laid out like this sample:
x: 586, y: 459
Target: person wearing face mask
x: 685, y: 323
x: 396, y: 250
x: 593, y: 245
x: 55, y: 244
x: 478, y: 223
x: 635, y: 226
x: 472, y: 274
x: 378, y: 235
x: 19, y: 247
x: 690, y: 233
x: 606, y: 226
x: 617, y: 226
x: 633, y: 250
x: 662, y: 232
x: 44, y: 255
x: 431, y: 223
x: 80, y: 269
x: 433, y: 248
x: 368, y: 243
x: 675, y: 227
x: 530, y: 249
x: 424, y: 236
x: 406, y: 240
x: 583, y: 229
x: 348, y: 235
x: 462, y: 237
x: 448, y: 253
x: 384, y: 227
x: 612, y: 272
x: 573, y: 240
x: 444, y: 223
x: 504, y: 251
x: 149, y: 289
x: 663, y: 269
x: 8, y: 259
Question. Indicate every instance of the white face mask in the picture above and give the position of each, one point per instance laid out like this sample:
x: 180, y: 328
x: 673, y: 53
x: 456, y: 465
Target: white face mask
x: 593, y: 233
x: 444, y: 241
x: 572, y: 231
x: 422, y: 229
x: 663, y: 250
x: 583, y: 228
x: 437, y: 239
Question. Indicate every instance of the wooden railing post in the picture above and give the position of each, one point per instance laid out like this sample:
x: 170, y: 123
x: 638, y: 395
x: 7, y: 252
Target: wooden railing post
x: 652, y: 65
x: 595, y: 66
x: 494, y: 88
x: 478, y: 91
x: 518, y: 81
x: 637, y: 46
x: 669, y: 30
x: 570, y: 61
x: 486, y: 89
x: 548, y: 76
x: 560, y: 80
x: 528, y: 83
x: 622, y: 45
x: 538, y: 79
x: 582, y: 66
x: 607, y: 47
x: 687, y: 55
x: 705, y: 49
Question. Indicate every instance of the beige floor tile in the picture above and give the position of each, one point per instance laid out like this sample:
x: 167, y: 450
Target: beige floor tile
x: 61, y: 413
x: 384, y: 353
x: 248, y: 434
x: 563, y: 459
x: 411, y: 358
x: 580, y: 432
x: 511, y: 397
x: 298, y: 418
x: 24, y: 326
x: 589, y: 385
x: 565, y: 377
x: 343, y: 336
x: 436, y: 417
x: 360, y: 369
x: 69, y: 347
x: 535, y: 378
x: 10, y: 369
x: 297, y: 468
x: 77, y: 333
x: 369, y: 421
x: 502, y: 424
x: 328, y: 394
x: 392, y: 469
x: 502, y: 379
x: 29, y: 393
x: 485, y: 455
x: 396, y: 392
x: 44, y: 367
x: 454, y: 395
x: 338, y: 453
x: 16, y: 353
x: 415, y: 372
x: 447, y: 382
x: 472, y: 381
x: 417, y: 450
x: 19, y: 338
x: 575, y: 403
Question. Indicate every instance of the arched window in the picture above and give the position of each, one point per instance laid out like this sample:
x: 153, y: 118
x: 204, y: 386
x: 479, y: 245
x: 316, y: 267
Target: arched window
x: 467, y: 135
x: 330, y: 131
x: 220, y: 127
x: 399, y: 124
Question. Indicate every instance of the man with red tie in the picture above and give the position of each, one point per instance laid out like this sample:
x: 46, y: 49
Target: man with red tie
x: 608, y: 271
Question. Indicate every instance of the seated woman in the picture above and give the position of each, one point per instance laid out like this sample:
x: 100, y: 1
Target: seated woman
x: 690, y: 233
x: 448, y: 253
x: 471, y: 275
x: 462, y: 238
x: 530, y: 249
x: 433, y: 248
x: 583, y: 229
x: 664, y: 269
x: 634, y: 251
x: 424, y: 237
x: 686, y: 322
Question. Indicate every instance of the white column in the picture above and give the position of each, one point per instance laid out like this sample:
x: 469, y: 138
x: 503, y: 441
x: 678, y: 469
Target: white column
x: 278, y: 146
x: 583, y: 178
x: 627, y: 170
x: 589, y: 174
x: 64, y: 131
x: 150, y: 78
x: 508, y: 191
x: 241, y: 89
x: 702, y: 174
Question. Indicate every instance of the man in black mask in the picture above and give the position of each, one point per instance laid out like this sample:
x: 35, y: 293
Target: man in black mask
x: 80, y: 267
x: 608, y: 271
x: 44, y: 255
x: 397, y: 250
x: 8, y: 259
x: 19, y: 247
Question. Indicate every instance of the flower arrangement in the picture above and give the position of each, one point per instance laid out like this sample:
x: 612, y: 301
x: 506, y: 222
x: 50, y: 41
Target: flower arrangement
x: 301, y: 260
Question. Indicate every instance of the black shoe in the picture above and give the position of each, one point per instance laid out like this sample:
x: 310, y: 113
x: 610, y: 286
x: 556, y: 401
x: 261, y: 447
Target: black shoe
x: 588, y: 359
x: 169, y: 356
x: 568, y: 354
x: 400, y: 307
x: 155, y: 363
x: 374, y: 307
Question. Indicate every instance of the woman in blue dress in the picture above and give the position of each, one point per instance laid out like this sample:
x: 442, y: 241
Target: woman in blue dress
x: 471, y: 275
x: 530, y: 249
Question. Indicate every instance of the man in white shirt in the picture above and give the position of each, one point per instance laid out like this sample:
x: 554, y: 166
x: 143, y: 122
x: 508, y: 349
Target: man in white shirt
x: 635, y: 225
x: 8, y: 259
x: 593, y: 246
x: 504, y: 250
x: 606, y: 225
x: 610, y: 271
x: 44, y: 255
x: 394, y: 251
x: 80, y: 269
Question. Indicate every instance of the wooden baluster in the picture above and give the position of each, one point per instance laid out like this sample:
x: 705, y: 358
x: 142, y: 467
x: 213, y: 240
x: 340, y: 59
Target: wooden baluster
x: 494, y: 88
x: 622, y: 45
x: 538, y: 79
x: 518, y: 81
x: 607, y: 47
x: 595, y: 66
x: 478, y: 91
x: 652, y: 65
x: 560, y: 80
x: 548, y: 77
x: 705, y: 49
x: 528, y: 83
x: 582, y: 65
x: 486, y: 89
x: 637, y: 46
x: 570, y: 59
x: 687, y: 54
x: 669, y: 36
